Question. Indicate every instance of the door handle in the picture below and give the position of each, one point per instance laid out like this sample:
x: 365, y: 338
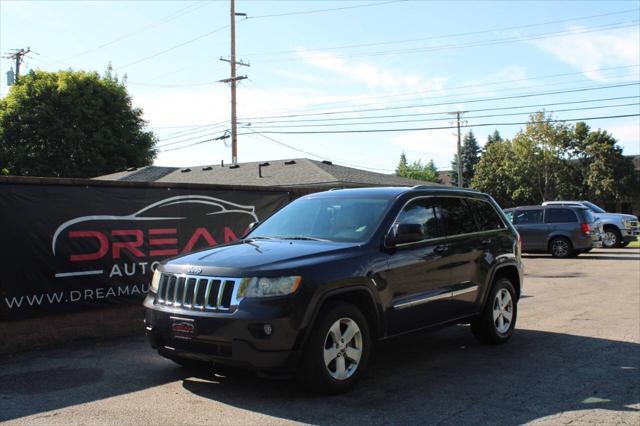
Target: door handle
x: 441, y: 249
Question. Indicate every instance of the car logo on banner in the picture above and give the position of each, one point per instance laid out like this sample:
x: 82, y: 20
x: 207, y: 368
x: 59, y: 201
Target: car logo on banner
x: 131, y: 245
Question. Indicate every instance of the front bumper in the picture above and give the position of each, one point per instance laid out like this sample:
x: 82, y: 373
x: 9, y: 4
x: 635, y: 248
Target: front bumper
x: 236, y: 338
x: 630, y: 234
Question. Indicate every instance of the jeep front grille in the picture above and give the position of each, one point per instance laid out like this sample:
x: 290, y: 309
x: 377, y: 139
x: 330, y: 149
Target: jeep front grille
x: 198, y: 293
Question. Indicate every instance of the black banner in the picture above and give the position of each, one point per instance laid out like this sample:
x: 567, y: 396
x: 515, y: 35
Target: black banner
x: 72, y: 247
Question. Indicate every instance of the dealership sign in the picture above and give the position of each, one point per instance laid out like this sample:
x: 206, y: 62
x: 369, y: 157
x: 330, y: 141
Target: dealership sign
x: 66, y: 248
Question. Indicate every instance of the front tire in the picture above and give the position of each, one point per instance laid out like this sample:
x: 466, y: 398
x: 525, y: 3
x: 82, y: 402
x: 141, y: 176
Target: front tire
x: 337, y: 351
x: 612, y: 237
x: 497, y: 321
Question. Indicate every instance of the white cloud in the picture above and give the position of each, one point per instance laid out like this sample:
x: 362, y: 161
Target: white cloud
x: 591, y: 51
x: 373, y: 76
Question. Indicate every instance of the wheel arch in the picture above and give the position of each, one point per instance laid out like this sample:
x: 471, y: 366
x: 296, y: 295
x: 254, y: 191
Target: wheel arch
x: 360, y: 296
x: 509, y: 271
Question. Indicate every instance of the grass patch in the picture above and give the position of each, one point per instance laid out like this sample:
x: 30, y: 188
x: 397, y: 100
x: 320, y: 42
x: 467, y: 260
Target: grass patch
x: 634, y: 244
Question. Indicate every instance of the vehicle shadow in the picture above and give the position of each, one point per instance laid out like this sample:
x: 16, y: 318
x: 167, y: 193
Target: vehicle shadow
x: 447, y: 377
x: 583, y: 256
x: 443, y: 376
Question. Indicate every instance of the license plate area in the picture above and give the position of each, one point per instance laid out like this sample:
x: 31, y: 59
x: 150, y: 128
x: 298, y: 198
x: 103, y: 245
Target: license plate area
x: 183, y: 328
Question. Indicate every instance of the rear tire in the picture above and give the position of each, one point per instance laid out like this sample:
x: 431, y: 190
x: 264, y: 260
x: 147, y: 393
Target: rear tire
x: 497, y: 321
x: 337, y: 351
x: 560, y: 247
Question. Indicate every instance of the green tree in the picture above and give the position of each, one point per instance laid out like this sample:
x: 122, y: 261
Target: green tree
x: 541, y: 150
x: 470, y: 152
x: 416, y: 170
x: 495, y: 172
x: 607, y: 174
x: 401, y: 170
x: 494, y: 137
x: 71, y: 124
x: 548, y: 161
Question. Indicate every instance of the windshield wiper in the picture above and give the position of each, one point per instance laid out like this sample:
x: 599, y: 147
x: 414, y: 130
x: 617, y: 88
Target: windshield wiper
x: 301, y: 237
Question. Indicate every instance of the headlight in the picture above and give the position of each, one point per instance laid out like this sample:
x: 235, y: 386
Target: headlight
x: 155, y: 281
x: 267, y: 287
x: 627, y: 223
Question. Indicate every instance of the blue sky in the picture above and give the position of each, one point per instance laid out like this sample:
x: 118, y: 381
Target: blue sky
x: 409, y: 61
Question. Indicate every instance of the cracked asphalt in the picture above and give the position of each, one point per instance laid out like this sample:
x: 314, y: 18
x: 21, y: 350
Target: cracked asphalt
x: 575, y: 358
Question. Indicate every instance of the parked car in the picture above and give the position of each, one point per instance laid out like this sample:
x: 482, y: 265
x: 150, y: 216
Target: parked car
x: 563, y: 231
x: 308, y: 291
x: 620, y: 229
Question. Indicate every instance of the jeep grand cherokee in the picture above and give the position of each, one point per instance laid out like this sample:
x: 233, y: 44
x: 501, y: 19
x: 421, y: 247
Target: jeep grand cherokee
x: 308, y: 291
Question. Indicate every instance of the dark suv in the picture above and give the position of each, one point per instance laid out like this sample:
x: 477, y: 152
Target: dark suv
x: 563, y: 231
x: 309, y: 290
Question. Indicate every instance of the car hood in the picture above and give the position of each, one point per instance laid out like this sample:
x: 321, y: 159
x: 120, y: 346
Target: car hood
x: 247, y: 256
x: 614, y: 216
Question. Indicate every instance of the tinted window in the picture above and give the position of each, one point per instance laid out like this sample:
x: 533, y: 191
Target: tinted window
x: 527, y: 217
x: 421, y: 211
x: 329, y: 218
x: 560, y: 216
x: 456, y: 216
x: 485, y: 215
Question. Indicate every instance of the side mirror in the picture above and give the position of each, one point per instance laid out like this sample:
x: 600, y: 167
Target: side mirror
x: 402, y: 233
x: 250, y: 228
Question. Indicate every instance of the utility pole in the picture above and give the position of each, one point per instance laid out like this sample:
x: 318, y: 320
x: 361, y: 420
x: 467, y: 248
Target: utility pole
x: 458, y: 114
x: 17, y: 55
x: 233, y: 81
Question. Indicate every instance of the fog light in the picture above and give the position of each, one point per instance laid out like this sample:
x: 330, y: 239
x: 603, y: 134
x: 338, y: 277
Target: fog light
x: 268, y: 329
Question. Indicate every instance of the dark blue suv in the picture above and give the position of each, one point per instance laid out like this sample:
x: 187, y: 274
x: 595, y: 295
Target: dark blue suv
x: 308, y: 291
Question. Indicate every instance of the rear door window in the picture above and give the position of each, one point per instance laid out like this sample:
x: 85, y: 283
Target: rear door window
x: 455, y: 215
x: 560, y: 216
x: 527, y: 217
x: 485, y: 214
x: 421, y: 211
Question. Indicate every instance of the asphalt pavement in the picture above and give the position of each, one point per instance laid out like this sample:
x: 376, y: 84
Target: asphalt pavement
x: 574, y: 358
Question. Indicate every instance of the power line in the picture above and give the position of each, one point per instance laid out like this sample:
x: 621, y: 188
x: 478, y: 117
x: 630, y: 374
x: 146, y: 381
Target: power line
x: 308, y: 12
x: 266, y: 129
x: 174, y: 15
x: 162, y: 52
x: 444, y: 119
x: 293, y: 148
x: 440, y: 113
x: 450, y: 35
x: 439, y: 128
x: 224, y: 136
x: 199, y: 129
x: 415, y: 95
x: 492, y: 42
x: 527, y: 95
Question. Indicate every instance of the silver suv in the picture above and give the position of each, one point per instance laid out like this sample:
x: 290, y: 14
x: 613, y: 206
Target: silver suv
x: 619, y: 229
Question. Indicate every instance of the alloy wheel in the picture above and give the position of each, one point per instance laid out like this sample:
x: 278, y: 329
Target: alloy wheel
x: 502, y: 311
x: 610, y: 239
x: 560, y: 248
x: 343, y: 348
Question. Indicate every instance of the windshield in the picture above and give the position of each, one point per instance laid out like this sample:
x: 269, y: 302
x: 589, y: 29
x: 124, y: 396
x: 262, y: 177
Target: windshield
x: 593, y: 207
x: 326, y: 218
